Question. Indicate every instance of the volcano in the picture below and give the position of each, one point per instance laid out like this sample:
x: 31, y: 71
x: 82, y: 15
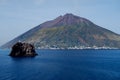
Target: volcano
x: 68, y: 32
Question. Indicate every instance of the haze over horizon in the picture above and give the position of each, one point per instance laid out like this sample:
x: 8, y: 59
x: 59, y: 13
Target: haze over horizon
x: 18, y: 17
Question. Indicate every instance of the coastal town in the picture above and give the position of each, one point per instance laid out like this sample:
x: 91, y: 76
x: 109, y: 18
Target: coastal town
x: 75, y: 47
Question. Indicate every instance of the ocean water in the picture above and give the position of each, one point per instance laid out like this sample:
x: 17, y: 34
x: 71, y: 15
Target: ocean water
x: 62, y: 65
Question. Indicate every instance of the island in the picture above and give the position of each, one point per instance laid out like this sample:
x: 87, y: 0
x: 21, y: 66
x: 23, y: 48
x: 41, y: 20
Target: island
x: 23, y: 50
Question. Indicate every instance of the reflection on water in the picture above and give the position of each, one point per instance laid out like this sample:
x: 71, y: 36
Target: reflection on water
x: 62, y: 65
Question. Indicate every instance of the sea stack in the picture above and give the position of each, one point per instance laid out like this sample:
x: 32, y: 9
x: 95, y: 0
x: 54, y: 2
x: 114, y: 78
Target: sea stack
x: 23, y: 50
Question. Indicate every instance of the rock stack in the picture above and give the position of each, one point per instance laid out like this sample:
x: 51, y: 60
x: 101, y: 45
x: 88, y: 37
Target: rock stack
x: 23, y: 50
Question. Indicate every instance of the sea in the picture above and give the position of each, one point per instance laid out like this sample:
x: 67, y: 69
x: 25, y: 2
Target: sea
x: 62, y: 65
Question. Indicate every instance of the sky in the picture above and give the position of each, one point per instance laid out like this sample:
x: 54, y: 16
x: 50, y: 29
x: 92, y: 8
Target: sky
x: 18, y: 16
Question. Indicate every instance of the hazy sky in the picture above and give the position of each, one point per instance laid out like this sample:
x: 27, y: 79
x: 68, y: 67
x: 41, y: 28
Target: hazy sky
x: 18, y: 16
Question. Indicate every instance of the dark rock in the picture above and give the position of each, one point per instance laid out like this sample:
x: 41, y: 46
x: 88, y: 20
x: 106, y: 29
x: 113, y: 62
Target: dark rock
x: 23, y: 50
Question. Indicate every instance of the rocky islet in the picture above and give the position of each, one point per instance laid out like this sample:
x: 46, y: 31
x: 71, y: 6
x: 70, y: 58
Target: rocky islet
x: 23, y: 50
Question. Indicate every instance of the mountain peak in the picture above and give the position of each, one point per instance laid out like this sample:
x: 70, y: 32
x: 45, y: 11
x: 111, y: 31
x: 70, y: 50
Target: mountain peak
x: 69, y: 14
x: 63, y: 20
x: 70, y: 19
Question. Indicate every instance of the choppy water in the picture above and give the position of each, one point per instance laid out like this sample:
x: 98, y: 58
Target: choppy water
x: 62, y: 65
